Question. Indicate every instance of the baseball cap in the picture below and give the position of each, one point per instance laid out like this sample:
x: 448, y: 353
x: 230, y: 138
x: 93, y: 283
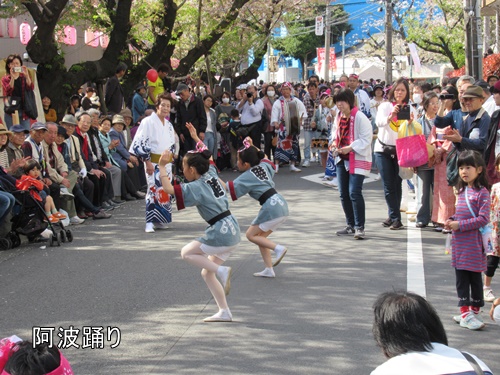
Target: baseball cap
x: 18, y: 129
x: 38, y: 126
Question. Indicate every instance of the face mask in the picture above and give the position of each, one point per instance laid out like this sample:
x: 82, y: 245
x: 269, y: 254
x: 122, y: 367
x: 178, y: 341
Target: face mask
x: 270, y: 93
x: 225, y: 100
x: 417, y: 98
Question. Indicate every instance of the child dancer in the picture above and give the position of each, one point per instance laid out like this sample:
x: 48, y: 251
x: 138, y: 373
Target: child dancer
x: 492, y: 258
x: 468, y: 258
x: 223, y: 233
x: 257, y: 181
x: 31, y: 179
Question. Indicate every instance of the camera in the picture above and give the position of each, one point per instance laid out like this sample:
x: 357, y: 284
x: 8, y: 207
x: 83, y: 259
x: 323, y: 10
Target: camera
x: 404, y: 112
x: 18, y: 69
x: 249, y: 95
x: 446, y: 96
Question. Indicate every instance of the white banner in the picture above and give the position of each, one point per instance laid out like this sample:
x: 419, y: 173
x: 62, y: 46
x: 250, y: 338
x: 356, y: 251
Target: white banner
x: 319, y: 25
x: 414, y: 57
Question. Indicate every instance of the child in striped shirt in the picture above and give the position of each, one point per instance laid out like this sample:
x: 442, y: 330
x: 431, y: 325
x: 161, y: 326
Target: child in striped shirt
x: 468, y: 256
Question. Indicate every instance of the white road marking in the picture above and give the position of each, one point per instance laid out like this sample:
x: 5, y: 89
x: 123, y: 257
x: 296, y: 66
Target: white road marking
x: 415, y: 259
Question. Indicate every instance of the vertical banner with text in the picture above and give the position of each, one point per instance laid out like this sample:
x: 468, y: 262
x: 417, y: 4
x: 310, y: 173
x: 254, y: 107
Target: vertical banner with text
x: 321, y: 59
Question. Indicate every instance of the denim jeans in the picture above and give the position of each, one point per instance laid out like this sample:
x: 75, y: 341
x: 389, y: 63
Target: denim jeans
x: 24, y: 123
x: 7, y: 201
x: 351, y: 196
x: 308, y: 136
x: 389, y: 172
x: 211, y: 142
x: 425, y: 180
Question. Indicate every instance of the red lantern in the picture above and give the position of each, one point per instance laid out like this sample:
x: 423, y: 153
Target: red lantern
x: 3, y: 27
x: 152, y: 75
x: 12, y: 27
x: 25, y: 33
x: 104, y: 39
x: 91, y: 38
x: 69, y: 35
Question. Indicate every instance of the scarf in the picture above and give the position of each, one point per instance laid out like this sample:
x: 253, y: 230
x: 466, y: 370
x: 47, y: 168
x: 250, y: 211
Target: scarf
x: 290, y: 116
x: 352, y: 117
x: 85, y: 145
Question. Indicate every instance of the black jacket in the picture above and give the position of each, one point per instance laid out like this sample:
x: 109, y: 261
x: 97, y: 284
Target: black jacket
x: 193, y: 113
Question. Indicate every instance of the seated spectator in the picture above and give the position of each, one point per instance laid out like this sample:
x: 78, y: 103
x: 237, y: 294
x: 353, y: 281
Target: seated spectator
x: 87, y: 101
x: 22, y: 357
x: 50, y: 113
x: 412, y: 337
x: 33, y: 149
x: 112, y: 172
x: 102, y: 184
x: 128, y: 162
x: 31, y: 182
x: 127, y: 186
x: 82, y: 203
x: 14, y: 151
x: 74, y: 105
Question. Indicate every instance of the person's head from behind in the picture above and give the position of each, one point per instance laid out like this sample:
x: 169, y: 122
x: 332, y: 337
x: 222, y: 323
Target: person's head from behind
x: 38, y: 360
x: 404, y: 322
x: 32, y: 168
x: 195, y: 164
x: 472, y: 170
x: 235, y: 115
x: 249, y: 156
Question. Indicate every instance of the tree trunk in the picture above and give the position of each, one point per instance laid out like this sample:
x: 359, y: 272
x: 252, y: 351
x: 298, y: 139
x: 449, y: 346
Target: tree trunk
x: 53, y: 77
x: 252, y: 70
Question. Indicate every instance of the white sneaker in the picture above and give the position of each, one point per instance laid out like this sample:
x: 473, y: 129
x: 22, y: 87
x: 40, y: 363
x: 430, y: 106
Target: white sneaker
x: 221, y: 316
x: 306, y: 164
x: 65, y: 191
x: 150, y: 228
x: 279, y: 255
x: 224, y: 274
x: 313, y: 159
x: 293, y: 168
x: 75, y: 220
x: 488, y: 295
x: 160, y: 226
x: 471, y: 322
x: 332, y: 184
x: 268, y: 272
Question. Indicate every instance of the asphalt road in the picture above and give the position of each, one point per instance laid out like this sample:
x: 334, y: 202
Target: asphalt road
x: 314, y: 318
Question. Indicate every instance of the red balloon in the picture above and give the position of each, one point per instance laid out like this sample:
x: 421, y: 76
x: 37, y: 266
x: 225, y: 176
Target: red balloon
x: 152, y: 75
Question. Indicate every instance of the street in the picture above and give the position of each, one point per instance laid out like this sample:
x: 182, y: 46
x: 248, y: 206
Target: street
x: 315, y: 317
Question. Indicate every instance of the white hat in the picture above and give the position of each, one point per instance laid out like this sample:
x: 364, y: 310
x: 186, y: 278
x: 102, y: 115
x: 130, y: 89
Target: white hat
x: 496, y: 314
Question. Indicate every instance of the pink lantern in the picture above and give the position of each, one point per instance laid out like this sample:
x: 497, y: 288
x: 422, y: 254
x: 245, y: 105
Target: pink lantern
x: 3, y: 27
x: 69, y: 35
x: 25, y: 33
x: 91, y: 38
x: 12, y: 27
x: 104, y: 39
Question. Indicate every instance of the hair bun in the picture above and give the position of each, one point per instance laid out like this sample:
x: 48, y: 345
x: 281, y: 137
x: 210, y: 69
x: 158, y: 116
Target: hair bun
x: 206, y: 154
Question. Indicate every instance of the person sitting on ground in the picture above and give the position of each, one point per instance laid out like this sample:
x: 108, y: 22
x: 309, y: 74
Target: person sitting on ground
x: 31, y: 182
x: 408, y: 330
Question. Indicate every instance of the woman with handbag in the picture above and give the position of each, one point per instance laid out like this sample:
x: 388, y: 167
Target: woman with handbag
x: 15, y: 83
x: 388, y: 122
x: 353, y: 158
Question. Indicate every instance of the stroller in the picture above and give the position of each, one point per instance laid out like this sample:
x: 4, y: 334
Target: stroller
x: 29, y: 219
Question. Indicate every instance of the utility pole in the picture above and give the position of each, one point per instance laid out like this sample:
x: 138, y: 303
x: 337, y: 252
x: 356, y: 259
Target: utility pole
x: 473, y: 45
x: 388, y: 42
x: 327, y: 43
x: 343, y: 52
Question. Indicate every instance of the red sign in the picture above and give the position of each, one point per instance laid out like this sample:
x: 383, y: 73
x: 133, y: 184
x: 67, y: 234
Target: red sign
x: 321, y: 59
